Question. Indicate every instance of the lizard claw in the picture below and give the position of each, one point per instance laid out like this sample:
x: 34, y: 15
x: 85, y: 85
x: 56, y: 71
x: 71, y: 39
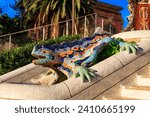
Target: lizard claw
x: 84, y: 73
x: 130, y: 47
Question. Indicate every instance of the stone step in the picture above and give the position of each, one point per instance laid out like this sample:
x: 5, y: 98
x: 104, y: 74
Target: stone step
x: 3, y: 99
x: 142, y: 81
x: 138, y: 92
x: 118, y: 98
x: 145, y: 75
x: 7, y: 99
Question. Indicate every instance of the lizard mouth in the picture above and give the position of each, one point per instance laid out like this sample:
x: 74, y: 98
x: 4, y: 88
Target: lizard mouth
x: 39, y: 56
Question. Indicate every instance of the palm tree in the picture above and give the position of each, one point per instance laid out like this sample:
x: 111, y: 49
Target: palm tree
x: 52, y: 11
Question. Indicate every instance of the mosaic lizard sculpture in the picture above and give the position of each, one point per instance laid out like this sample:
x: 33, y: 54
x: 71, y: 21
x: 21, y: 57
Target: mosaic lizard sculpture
x: 72, y: 58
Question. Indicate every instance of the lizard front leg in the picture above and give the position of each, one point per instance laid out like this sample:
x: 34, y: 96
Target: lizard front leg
x: 92, y: 56
x: 78, y: 71
x: 84, y: 73
x: 48, y: 78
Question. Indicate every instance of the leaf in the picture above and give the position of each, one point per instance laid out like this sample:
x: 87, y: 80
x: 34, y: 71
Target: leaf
x: 78, y: 4
x: 54, y: 5
x: 1, y: 26
x: 47, y: 9
x: 63, y: 14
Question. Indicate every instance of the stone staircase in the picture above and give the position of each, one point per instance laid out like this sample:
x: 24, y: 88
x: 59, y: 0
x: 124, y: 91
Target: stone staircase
x: 139, y: 89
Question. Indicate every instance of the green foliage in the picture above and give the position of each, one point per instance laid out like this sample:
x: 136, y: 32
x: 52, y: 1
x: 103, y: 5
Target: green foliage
x: 108, y: 51
x: 18, y: 57
x: 9, y: 25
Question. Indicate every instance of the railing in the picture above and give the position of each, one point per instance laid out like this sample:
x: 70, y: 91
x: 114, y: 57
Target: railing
x: 84, y: 26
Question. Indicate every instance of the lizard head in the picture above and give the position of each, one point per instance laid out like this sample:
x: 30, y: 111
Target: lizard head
x: 100, y: 32
x: 45, y: 56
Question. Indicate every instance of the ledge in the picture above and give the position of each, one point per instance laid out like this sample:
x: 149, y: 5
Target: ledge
x: 33, y: 92
x: 26, y: 72
x: 117, y: 67
x: 134, y: 34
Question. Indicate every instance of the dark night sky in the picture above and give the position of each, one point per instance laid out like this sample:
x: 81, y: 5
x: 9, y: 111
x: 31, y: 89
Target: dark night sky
x: 123, y: 3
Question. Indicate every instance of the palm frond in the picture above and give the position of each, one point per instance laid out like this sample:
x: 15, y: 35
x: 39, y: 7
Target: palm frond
x: 78, y: 3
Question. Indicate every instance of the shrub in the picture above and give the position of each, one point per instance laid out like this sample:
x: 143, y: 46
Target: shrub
x: 108, y: 51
